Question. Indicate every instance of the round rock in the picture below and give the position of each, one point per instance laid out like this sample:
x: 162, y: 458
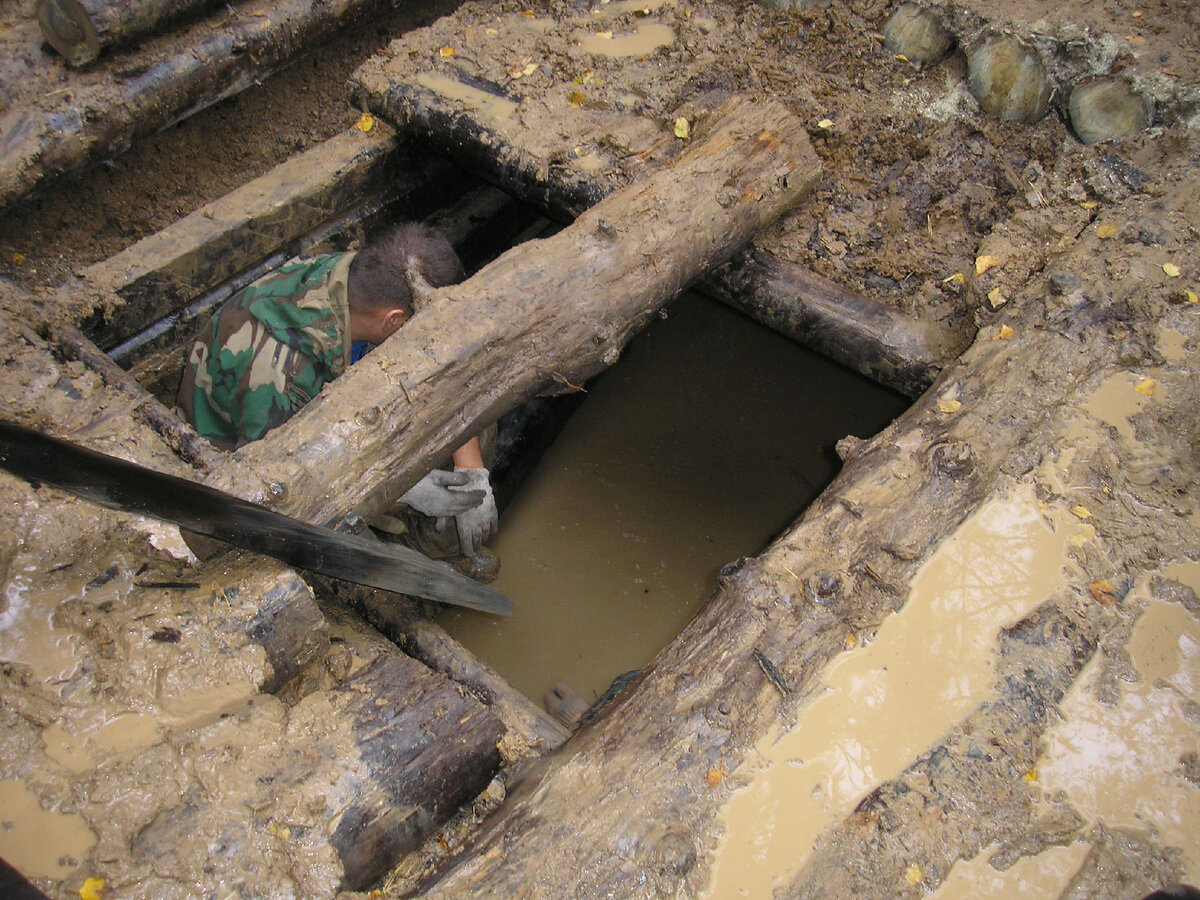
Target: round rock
x: 1107, y: 108
x: 917, y: 34
x: 1007, y: 77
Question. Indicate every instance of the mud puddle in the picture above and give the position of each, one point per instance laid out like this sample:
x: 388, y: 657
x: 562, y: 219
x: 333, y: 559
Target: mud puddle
x: 709, y: 436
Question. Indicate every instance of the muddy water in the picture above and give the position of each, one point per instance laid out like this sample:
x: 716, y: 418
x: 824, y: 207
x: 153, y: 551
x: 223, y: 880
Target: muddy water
x: 884, y: 704
x: 709, y: 436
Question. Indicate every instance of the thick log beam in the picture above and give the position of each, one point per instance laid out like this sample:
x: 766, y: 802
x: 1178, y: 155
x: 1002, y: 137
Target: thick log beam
x: 79, y: 29
x: 903, y: 353
x: 105, y: 111
x: 545, y: 316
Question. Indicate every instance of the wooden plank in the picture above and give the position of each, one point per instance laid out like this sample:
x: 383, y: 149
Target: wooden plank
x: 80, y: 29
x: 543, y: 316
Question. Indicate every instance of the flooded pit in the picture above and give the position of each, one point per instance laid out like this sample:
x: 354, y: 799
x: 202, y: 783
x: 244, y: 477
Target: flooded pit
x: 708, y: 437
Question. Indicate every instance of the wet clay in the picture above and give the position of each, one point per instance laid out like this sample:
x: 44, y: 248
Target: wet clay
x: 639, y: 42
x: 1124, y: 766
x: 682, y: 458
x: 1043, y: 875
x: 886, y: 702
x: 39, y: 842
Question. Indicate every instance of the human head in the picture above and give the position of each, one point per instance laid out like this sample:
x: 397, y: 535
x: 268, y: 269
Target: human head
x: 378, y: 286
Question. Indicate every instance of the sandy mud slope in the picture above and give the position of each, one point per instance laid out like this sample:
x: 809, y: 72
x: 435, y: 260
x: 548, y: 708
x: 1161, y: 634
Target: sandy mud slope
x: 971, y: 669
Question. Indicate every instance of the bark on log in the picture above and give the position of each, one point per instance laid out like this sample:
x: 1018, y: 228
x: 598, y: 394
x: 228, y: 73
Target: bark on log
x: 428, y: 642
x: 546, y: 315
x: 859, y: 332
x: 214, y: 59
x: 78, y: 29
x: 862, y: 334
x: 578, y: 829
x: 427, y: 749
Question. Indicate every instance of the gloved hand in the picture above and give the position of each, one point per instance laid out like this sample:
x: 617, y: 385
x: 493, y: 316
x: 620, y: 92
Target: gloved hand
x: 479, y: 523
x: 443, y: 494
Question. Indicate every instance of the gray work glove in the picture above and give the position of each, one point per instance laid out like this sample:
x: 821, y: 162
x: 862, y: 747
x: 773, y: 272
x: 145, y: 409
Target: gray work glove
x: 479, y: 523
x: 442, y: 494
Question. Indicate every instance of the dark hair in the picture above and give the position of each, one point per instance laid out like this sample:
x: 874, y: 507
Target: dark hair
x: 377, y: 273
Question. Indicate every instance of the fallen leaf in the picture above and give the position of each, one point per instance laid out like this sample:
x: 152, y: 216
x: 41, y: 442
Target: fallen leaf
x: 577, y: 99
x: 1105, y: 231
x: 900, y: 57
x: 913, y: 874
x: 985, y: 262
x: 366, y: 122
x: 1146, y: 386
x: 1171, y: 269
x: 681, y: 127
x: 1089, y: 204
x: 93, y: 889
x: 446, y: 52
x: 1005, y: 333
x: 1081, y: 512
x: 530, y: 68
x: 1103, y: 592
x: 949, y: 405
x: 1031, y: 775
x: 1191, y: 297
x: 825, y: 123
x: 996, y: 298
x: 850, y: 642
x: 956, y: 277
x: 529, y: 13
x: 604, y: 35
x: 715, y: 776
x: 18, y: 257
x: 1084, y: 535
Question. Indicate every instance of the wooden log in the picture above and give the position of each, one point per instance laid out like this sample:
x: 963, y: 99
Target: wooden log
x: 578, y: 829
x: 403, y: 623
x: 547, y: 314
x: 79, y: 29
x: 903, y: 353
x: 476, y: 124
x: 427, y: 748
x: 106, y: 111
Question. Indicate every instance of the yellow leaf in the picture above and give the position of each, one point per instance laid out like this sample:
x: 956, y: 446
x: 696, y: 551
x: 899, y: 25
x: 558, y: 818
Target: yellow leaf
x: 900, y: 57
x: 1005, y: 333
x: 1146, y: 386
x: 577, y: 99
x: 604, y: 35
x: 1104, y: 232
x: 1085, y: 534
x: 1103, y: 592
x: 825, y: 124
x: 1191, y: 297
x: 949, y: 405
x: 681, y: 127
x: 491, y: 31
x: 446, y: 52
x: 93, y: 889
x: 715, y: 776
x: 996, y: 298
x: 529, y: 13
x: 1171, y: 269
x: 1089, y: 204
x: 530, y: 68
x: 956, y: 277
x: 850, y: 642
x: 913, y: 874
x: 366, y: 122
x: 983, y: 263
x: 1081, y: 512
x: 1032, y: 774
x: 18, y: 257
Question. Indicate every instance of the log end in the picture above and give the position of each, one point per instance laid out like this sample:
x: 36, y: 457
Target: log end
x: 68, y: 29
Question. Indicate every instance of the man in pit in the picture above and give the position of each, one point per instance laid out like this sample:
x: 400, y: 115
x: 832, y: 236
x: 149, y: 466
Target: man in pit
x: 273, y: 345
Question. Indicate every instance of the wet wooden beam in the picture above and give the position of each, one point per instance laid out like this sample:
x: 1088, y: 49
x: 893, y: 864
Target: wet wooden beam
x: 904, y: 353
x: 495, y: 132
x: 79, y: 29
x: 106, y: 110
x: 544, y: 317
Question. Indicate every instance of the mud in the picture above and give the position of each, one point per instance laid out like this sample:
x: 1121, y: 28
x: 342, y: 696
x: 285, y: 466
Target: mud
x: 109, y: 732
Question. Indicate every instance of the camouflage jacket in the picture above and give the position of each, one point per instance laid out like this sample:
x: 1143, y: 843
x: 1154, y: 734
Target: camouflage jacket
x: 268, y: 351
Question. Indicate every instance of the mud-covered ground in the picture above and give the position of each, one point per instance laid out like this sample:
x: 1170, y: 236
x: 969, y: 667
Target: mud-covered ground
x: 928, y: 204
